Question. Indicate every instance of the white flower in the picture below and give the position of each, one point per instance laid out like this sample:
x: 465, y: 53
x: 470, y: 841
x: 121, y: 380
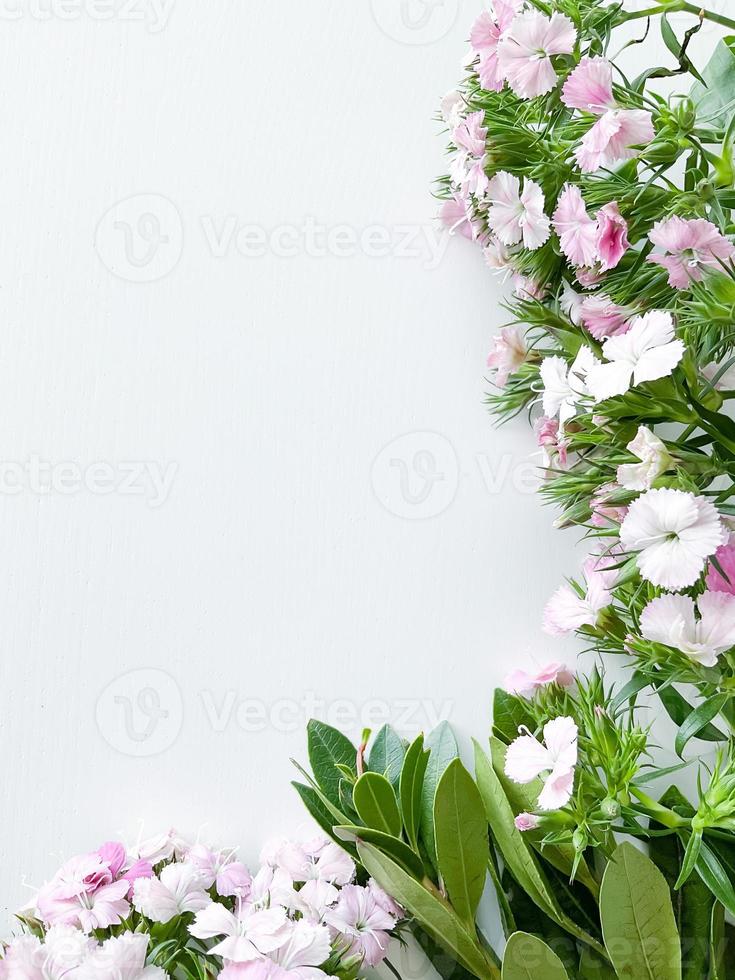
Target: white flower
x: 516, y: 215
x: 725, y: 375
x: 306, y: 945
x: 670, y: 620
x: 674, y: 533
x: 120, y: 958
x: 248, y: 935
x: 178, y: 889
x: 565, y: 386
x: 527, y: 758
x: 57, y: 957
x: 452, y: 108
x: 647, y: 351
x: 654, y: 460
x: 567, y: 610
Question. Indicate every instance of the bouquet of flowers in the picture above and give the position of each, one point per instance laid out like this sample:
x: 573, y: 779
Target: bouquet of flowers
x: 608, y: 200
x: 169, y: 908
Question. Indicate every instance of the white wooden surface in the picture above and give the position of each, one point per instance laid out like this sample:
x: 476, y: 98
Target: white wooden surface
x: 279, y: 382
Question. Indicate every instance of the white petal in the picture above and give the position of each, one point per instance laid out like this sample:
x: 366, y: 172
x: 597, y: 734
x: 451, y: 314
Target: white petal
x: 526, y: 759
x: 658, y: 362
x: 670, y: 565
x: 607, y: 380
x: 717, y: 628
x: 669, y: 619
x: 557, y: 790
x: 560, y: 735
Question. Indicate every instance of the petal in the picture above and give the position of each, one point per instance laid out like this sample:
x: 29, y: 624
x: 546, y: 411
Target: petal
x: 557, y: 790
x: 717, y: 628
x: 669, y: 619
x: 526, y: 759
x: 607, y: 380
x: 560, y: 735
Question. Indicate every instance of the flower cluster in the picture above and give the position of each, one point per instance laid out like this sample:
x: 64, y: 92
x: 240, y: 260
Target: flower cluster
x: 167, y: 906
x: 609, y: 204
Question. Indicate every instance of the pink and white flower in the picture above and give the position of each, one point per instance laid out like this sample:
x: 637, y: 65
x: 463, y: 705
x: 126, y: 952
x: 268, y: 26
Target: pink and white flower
x: 671, y: 620
x: 602, y: 317
x: 577, y: 231
x: 674, y: 532
x: 526, y: 821
x: 248, y: 934
x: 63, y: 949
x: 723, y: 371
x: 654, y: 460
x: 589, y: 87
x: 320, y: 859
x: 358, y: 915
x: 452, y: 108
x: 691, y: 246
x: 614, y: 138
x: 485, y: 37
x: 612, y: 236
x: 179, y: 888
x: 83, y: 894
x: 468, y: 168
x: 525, y: 685
x: 526, y: 49
x: 568, y: 610
x: 508, y: 354
x: 527, y: 758
x: 516, y: 215
x: 549, y: 438
x: 120, y: 958
x: 647, y: 351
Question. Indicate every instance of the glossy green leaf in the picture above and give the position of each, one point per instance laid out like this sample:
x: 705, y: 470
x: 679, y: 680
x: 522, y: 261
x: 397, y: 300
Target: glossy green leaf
x: 699, y: 719
x: 395, y: 849
x: 433, y: 913
x: 714, y: 99
x: 323, y: 816
x: 329, y: 748
x: 509, y: 713
x: 376, y: 804
x: 528, y: 958
x: 411, y: 788
x: 387, y: 754
x: 638, y: 919
x: 715, y: 875
x: 679, y: 709
x: 460, y: 826
x: 593, y: 967
x: 442, y: 746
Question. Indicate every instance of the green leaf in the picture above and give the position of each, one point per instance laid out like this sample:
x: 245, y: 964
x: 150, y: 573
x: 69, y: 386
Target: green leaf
x: 462, y: 841
x: 519, y: 859
x: 637, y: 918
x: 679, y: 709
x: 713, y: 100
x: 509, y: 713
x: 527, y: 958
x: 441, y: 960
x: 411, y: 787
x: 592, y: 967
x: 699, y: 719
x: 394, y: 848
x: 329, y: 749
x: 442, y: 746
x: 387, y: 754
x: 715, y: 876
x: 322, y: 815
x: 431, y: 911
x: 376, y: 804
x: 717, y: 943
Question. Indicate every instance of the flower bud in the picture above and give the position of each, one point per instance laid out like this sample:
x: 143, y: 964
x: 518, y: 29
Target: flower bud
x: 610, y: 808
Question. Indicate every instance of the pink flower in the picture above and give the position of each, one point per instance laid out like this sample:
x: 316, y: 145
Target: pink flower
x: 508, y: 354
x: 452, y: 108
x: 63, y: 949
x: 248, y: 933
x: 670, y: 620
x: 485, y: 37
x: 359, y: 917
x: 234, y: 880
x: 497, y: 256
x: 576, y: 230
x: 612, y: 236
x: 526, y: 759
x: 605, y: 513
x: 456, y: 214
x: 470, y: 134
x: 525, y: 685
x: 691, y: 246
x: 468, y: 167
x: 527, y: 288
x: 525, y: 51
x: 548, y: 438
x: 261, y: 970
x: 589, y: 87
x: 83, y: 894
x: 567, y: 610
x: 613, y: 138
x: 654, y: 460
x: 516, y: 216
x: 179, y: 888
x: 526, y: 821
x: 725, y: 557
x: 320, y: 859
x: 120, y: 958
x: 602, y: 317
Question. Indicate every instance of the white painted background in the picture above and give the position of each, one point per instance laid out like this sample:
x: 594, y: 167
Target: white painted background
x: 270, y: 385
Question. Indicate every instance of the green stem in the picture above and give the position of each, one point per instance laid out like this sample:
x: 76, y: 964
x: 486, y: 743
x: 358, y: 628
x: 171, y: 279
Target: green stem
x: 678, y: 6
x: 662, y: 814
